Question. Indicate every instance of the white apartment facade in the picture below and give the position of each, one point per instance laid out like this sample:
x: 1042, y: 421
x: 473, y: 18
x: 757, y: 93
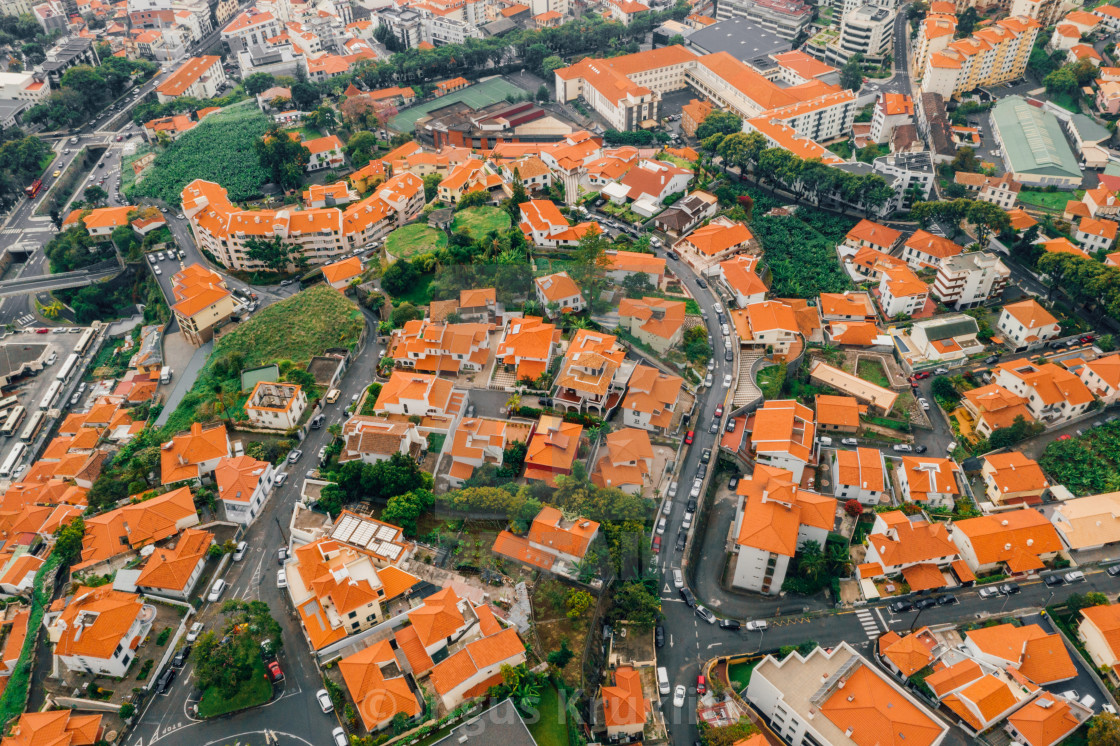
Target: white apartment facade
x: 970, y: 280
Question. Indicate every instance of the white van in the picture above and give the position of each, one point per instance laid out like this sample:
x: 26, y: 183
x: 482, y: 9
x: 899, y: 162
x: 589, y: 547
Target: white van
x: 239, y: 553
x: 663, y: 681
x: 824, y: 441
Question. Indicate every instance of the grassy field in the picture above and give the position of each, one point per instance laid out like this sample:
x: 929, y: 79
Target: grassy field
x: 307, y: 132
x: 872, y: 371
x: 256, y: 691
x: 740, y: 674
x: 295, y: 330
x: 551, y: 728
x: 478, y: 221
x: 1055, y: 201
x: 415, y: 239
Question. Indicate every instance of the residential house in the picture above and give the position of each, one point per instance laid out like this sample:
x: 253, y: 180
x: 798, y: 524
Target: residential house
x: 687, y: 213
x: 98, y: 630
x: 476, y: 667
x: 1031, y: 651
x: 627, y: 461
x: 769, y: 327
x: 910, y: 546
x: 441, y: 348
x: 203, y: 302
x: 410, y: 394
x: 375, y: 683
x: 623, y: 264
x: 192, y: 455
x: 198, y: 77
x: 1099, y: 631
x: 846, y: 306
x: 1020, y: 540
x: 482, y: 440
x: 545, y: 226
x: 901, y: 293
x: 993, y: 407
x: 1012, y: 479
x: 651, y: 400
x: 860, y: 475
x: 928, y: 481
x: 276, y: 406
x: 782, y: 436
x: 244, y: 485
x: 1027, y: 324
x: 871, y: 235
x: 1047, y: 719
x: 947, y: 340
x: 1053, y: 393
x: 62, y: 727
x: 838, y: 413
x: 373, y: 439
x: 625, y: 706
x: 99, y: 222
x: 969, y: 280
x: 552, y: 542
x: 558, y: 293
x: 594, y: 373
x: 111, y: 538
x: 340, y: 274
x: 1088, y: 523
x: 906, y: 656
x: 1096, y: 235
x: 1102, y: 377
x: 656, y: 322
x: 478, y: 305
x: 924, y: 249
x: 531, y: 171
x: 527, y: 346
x: 173, y: 572
x: 553, y: 447
x: 880, y: 400
x: 738, y: 274
x: 1001, y: 191
x: 713, y: 243
x: 647, y: 184
x: 849, y: 703
x: 773, y: 520
x: 326, y: 152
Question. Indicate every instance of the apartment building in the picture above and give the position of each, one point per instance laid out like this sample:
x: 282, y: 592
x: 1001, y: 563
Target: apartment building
x: 773, y: 519
x: 198, y: 77
x: 970, y: 280
x: 935, y: 32
x: 203, y: 302
x: 782, y: 436
x: 866, y: 30
x: 323, y: 235
x: 901, y: 292
x: 891, y: 110
x: 927, y: 250
x: 994, y: 54
x: 1027, y: 324
x: 1102, y: 377
x: 251, y: 28
x: 1053, y: 393
x: 783, y: 18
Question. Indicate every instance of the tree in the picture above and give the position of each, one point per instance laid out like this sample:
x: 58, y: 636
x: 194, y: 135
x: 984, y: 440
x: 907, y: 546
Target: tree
x: 273, y: 252
x: 988, y: 219
x: 544, y: 93
x: 719, y: 122
x: 591, y: 262
x: 258, y: 83
x: 404, y: 313
x: 966, y: 160
x: 1078, y: 601
x: 517, y: 198
x: 68, y: 540
x: 304, y: 95
x: 95, y: 195
x: 851, y: 74
x: 636, y: 603
x: 560, y: 657
x: 284, y: 158
x: 1062, y: 80
x: 637, y: 285
x: 853, y: 507
x: 942, y: 388
x: 431, y: 186
x: 578, y: 602
x: 331, y: 498
x: 400, y: 277
x: 1104, y: 730
x: 966, y: 22
x: 405, y: 510
x: 727, y: 735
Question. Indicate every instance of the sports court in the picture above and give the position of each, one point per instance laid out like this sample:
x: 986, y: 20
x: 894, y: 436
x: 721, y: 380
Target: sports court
x: 476, y: 96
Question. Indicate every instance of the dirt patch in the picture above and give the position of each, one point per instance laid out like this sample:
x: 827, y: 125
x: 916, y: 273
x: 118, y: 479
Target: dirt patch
x: 553, y: 626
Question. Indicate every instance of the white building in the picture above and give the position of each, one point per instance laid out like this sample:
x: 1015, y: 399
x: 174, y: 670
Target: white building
x: 276, y: 406
x: 1102, y: 376
x: 99, y: 630
x: 198, y: 77
x: 1053, y: 393
x: 891, y: 110
x: 860, y: 475
x: 969, y: 280
x: 1027, y: 324
x: 244, y: 485
x: 866, y: 30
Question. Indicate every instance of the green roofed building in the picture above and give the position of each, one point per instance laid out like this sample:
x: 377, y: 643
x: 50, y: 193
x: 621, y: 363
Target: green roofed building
x: 1035, y: 151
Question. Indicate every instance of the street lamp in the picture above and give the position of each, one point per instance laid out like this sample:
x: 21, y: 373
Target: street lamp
x: 762, y: 634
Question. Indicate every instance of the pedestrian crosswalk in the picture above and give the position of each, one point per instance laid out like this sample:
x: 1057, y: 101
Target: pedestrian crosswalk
x: 25, y: 320
x: 867, y: 621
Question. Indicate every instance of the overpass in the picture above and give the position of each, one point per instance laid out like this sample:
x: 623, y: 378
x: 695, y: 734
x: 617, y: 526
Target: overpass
x: 47, y: 283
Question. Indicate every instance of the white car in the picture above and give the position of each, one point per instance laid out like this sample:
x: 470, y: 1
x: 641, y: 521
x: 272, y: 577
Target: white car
x: 216, y: 590
x: 678, y: 577
x: 924, y: 403
x: 281, y: 579
x: 727, y: 381
x: 661, y: 526
x: 324, y: 700
x: 338, y: 736
x: 158, y: 271
x: 153, y: 258
x: 281, y: 478
x: 678, y: 696
x: 195, y: 631
x: 757, y: 626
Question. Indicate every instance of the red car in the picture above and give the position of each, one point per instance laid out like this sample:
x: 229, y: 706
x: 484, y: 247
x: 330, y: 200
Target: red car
x: 701, y: 687
x: 274, y: 672
x: 656, y: 545
x: 719, y: 411
x: 1065, y: 437
x: 687, y: 438
x: 922, y: 376
x: 1087, y: 338
x: 42, y: 330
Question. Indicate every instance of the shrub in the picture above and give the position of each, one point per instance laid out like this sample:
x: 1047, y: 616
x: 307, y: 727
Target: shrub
x: 853, y: 507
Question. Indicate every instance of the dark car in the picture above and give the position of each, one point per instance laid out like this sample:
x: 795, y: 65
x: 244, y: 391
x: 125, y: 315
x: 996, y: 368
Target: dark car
x: 702, y: 471
x: 1053, y: 580
x: 165, y: 680
x: 991, y: 359
x: 730, y: 426
x: 732, y: 624
x: 728, y: 355
x: 659, y: 636
x: 735, y: 483
x: 691, y: 507
x: 899, y: 607
x: 180, y: 658
x: 1009, y: 589
x: 1114, y: 570
x: 714, y: 427
x: 706, y: 456
x: 688, y: 597
x: 925, y: 603
x: 920, y: 449
x: 672, y: 255
x: 720, y: 317
x: 947, y: 600
x: 682, y: 539
x: 701, y: 283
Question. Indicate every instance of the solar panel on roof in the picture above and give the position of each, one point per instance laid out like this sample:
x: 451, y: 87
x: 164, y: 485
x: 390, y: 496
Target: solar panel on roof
x: 363, y: 534
x: 392, y: 551
x: 344, y: 528
x: 386, y: 533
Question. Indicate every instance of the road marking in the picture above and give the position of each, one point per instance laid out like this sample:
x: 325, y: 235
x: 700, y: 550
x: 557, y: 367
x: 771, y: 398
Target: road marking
x: 714, y: 644
x: 867, y: 621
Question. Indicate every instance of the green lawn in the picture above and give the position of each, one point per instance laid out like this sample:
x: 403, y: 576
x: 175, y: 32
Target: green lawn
x: 257, y: 691
x: 308, y: 133
x: 551, y: 729
x: 420, y: 294
x: 478, y: 221
x: 1055, y: 201
x: 740, y: 674
x: 842, y: 148
x: 414, y: 239
x: 872, y: 371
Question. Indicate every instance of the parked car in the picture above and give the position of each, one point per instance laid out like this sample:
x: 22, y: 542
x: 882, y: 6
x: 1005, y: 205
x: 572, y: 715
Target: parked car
x: 731, y: 624
x: 659, y: 636
x: 657, y: 545
x: 682, y: 539
x: 216, y: 590
x: 324, y: 700
x: 282, y: 555
x: 947, y: 600
x: 672, y: 490
x: 991, y: 359
x: 714, y: 427
x: 294, y: 455
x: 678, y: 696
x: 705, y: 614
x: 689, y: 437
x: 274, y: 672
x: 730, y: 426
x: 196, y: 630
x: 239, y: 552
x: 1113, y: 570
x: 678, y: 577
x: 924, y: 403
x: 700, y: 282
x: 941, y: 371
x: 727, y: 380
x: 1053, y: 580
x: 338, y: 737
x: 661, y: 525
x: 706, y: 456
x: 925, y: 603
x: 702, y: 471
x: 1074, y: 576
x: 701, y: 685
x: 281, y: 579
x: 688, y: 597
x: 988, y: 592
x: 165, y: 679
x: 920, y: 449
x: 1009, y: 589
x: 759, y: 625
x: 898, y: 607
x: 180, y: 658
x: 719, y: 411
x: 697, y: 485
x: 1087, y: 338
x: 902, y: 448
x: 849, y: 441
x: 733, y: 482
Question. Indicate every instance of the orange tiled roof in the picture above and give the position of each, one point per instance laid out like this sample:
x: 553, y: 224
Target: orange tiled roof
x: 1045, y: 720
x: 1014, y: 472
x: 108, y: 615
x: 774, y: 509
x: 909, y: 542
x: 135, y: 525
x: 55, y: 728
x: 878, y: 711
x: 624, y: 703
x: 170, y: 569
x: 484, y: 653
x: 181, y: 455
x: 1016, y: 537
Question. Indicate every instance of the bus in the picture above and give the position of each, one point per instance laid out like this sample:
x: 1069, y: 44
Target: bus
x: 15, y: 417
x: 34, y: 189
x: 31, y: 429
x: 51, y: 395
x: 67, y: 368
x: 12, y: 461
x: 83, y: 341
x: 8, y: 402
